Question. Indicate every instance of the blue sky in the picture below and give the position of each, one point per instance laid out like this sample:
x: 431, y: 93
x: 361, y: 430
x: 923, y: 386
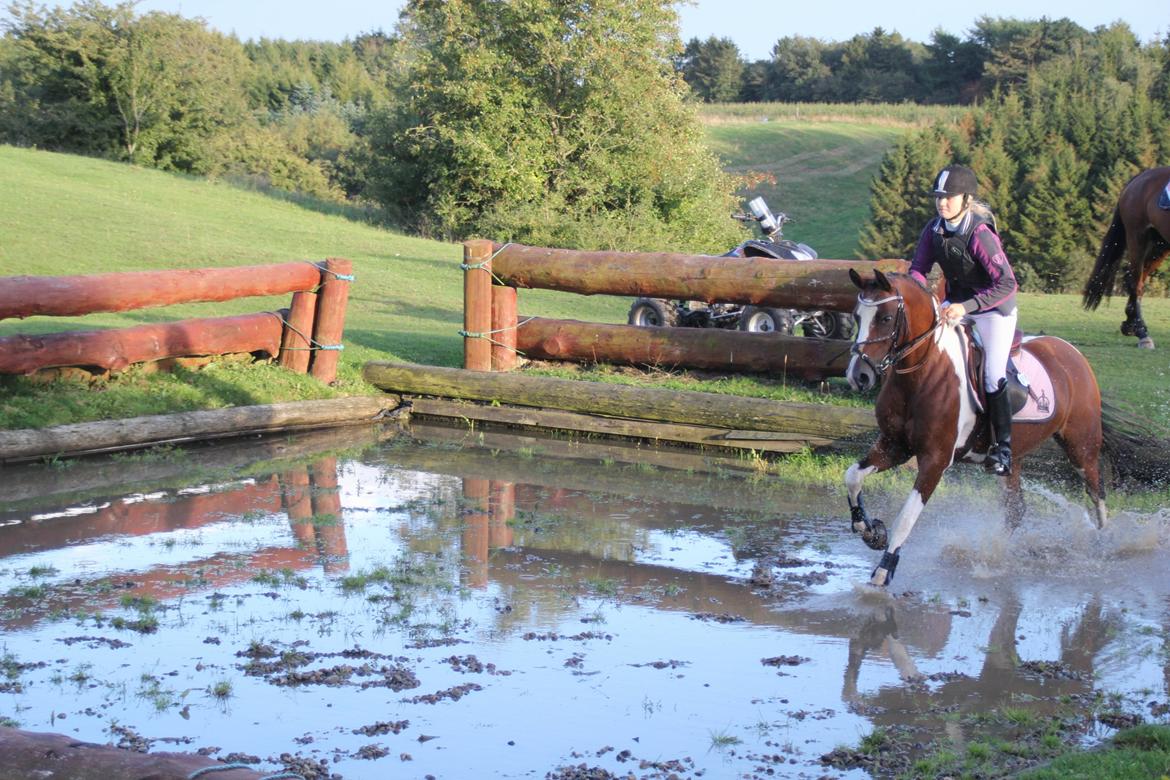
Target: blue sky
x: 754, y: 25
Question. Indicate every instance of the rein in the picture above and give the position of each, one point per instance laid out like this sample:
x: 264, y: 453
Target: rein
x: 896, y: 354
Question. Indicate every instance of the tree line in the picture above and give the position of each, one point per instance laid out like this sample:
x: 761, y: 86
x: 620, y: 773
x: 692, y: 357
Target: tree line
x: 574, y: 123
x: 883, y: 67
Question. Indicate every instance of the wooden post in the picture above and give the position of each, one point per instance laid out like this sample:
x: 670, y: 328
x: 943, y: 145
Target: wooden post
x: 330, y: 321
x: 477, y: 305
x: 503, y: 328
x: 294, y: 344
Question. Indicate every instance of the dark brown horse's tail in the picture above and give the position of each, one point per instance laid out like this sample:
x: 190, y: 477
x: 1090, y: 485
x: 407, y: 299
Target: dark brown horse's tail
x: 1104, y: 273
x: 1138, y: 449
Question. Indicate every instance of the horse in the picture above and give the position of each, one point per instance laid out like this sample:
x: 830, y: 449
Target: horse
x: 928, y: 406
x: 1141, y: 230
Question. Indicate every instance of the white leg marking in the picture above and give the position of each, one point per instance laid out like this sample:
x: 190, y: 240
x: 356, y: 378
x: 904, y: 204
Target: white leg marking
x: 854, y: 476
x: 905, y: 521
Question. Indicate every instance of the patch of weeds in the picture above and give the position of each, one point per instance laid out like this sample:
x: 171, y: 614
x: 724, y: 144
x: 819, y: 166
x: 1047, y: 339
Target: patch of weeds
x: 164, y: 453
x: 720, y: 740
x: 31, y: 592
x: 325, y: 520
x: 42, y: 571
x: 604, y: 587
x: 152, y: 690
x: 222, y: 690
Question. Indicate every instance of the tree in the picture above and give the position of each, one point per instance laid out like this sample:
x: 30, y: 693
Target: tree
x: 1049, y: 244
x: 798, y: 71
x: 547, y: 121
x: 900, y: 202
x: 713, y: 69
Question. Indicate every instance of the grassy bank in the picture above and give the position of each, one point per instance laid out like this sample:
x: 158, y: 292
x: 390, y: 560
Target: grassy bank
x: 62, y: 214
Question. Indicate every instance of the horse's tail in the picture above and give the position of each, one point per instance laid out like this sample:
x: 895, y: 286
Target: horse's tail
x: 1104, y: 273
x: 1138, y: 449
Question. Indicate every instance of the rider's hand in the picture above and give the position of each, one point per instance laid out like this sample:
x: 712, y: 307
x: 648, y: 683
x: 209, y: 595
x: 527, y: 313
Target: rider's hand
x: 953, y: 313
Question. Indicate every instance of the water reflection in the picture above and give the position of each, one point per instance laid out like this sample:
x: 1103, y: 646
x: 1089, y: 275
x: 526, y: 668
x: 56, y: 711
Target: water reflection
x: 583, y: 578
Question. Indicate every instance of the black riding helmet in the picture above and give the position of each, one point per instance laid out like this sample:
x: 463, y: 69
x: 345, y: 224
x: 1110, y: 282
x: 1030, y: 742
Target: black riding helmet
x: 954, y: 180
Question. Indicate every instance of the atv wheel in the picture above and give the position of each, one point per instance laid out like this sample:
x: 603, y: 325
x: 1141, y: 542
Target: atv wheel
x: 829, y: 325
x: 754, y: 319
x: 653, y: 312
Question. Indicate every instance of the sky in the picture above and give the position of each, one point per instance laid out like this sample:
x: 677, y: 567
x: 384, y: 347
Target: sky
x: 753, y: 25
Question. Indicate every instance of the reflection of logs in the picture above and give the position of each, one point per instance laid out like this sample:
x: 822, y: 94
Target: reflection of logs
x: 105, y: 477
x: 476, y: 535
x: 329, y: 525
x: 488, y: 508
x: 313, y: 504
x: 138, y: 518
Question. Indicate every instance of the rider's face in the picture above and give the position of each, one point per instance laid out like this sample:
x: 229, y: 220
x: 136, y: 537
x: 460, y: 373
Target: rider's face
x: 949, y: 206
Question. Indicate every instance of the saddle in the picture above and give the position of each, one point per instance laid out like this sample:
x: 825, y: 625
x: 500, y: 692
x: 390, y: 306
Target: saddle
x: 1028, y: 386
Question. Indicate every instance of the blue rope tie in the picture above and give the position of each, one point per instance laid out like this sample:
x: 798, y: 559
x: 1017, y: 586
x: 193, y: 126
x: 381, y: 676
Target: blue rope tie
x: 340, y: 277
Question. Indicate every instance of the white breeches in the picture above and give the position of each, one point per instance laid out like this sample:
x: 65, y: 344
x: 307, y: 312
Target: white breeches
x: 996, y: 332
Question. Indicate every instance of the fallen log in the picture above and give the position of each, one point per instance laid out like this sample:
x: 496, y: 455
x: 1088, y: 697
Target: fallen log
x: 762, y: 281
x: 27, y: 754
x: 651, y: 432
x: 703, y: 348
x: 688, y: 407
x: 137, y: 432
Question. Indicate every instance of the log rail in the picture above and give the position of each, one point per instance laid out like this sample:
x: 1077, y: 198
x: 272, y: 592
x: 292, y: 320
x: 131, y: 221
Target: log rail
x: 306, y: 337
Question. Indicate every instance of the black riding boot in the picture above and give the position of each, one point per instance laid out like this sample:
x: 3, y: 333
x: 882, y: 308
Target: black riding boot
x: 999, y: 409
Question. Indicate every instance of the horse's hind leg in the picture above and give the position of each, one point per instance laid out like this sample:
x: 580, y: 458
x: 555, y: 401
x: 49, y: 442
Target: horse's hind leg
x: 1148, y: 252
x: 1085, y: 456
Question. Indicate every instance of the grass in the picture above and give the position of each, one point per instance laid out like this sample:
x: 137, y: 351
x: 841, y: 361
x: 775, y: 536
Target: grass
x: 66, y: 214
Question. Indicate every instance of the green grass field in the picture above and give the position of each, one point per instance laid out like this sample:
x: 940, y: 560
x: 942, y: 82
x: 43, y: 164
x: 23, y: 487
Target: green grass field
x: 62, y: 214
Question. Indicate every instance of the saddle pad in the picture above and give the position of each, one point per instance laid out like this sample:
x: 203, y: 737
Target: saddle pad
x: 1164, y: 198
x: 1041, y: 401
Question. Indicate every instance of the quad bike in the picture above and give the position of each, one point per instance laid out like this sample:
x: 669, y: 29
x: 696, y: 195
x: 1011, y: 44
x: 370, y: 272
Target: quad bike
x: 756, y: 319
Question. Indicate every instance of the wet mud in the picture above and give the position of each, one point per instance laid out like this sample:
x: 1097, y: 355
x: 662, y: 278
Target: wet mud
x: 441, y: 604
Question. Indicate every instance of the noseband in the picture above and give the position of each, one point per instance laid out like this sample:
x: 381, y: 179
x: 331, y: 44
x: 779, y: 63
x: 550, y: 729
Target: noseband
x: 895, y: 353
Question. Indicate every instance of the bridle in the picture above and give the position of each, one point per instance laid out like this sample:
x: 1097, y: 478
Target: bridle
x: 895, y: 354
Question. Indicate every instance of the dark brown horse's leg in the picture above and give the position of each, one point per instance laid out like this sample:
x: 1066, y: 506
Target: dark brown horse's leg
x: 930, y: 470
x: 1146, y: 253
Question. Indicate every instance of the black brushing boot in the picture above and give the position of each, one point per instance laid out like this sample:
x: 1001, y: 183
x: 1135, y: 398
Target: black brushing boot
x: 999, y: 409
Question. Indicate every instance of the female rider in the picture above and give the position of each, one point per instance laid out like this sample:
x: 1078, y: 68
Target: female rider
x: 980, y: 285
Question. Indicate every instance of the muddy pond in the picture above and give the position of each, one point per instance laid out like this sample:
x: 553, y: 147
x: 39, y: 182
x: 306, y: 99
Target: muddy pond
x: 453, y: 604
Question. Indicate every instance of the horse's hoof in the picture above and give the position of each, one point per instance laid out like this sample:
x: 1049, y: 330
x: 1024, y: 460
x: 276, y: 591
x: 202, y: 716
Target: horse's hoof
x: 880, y: 578
x: 1146, y: 343
x: 875, y: 537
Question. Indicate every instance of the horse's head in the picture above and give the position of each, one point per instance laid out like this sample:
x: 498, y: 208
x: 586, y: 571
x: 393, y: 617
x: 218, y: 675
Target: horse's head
x: 894, y: 314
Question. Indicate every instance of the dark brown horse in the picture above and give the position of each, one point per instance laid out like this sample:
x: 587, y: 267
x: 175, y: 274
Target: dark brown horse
x: 928, y: 407
x: 1140, y: 231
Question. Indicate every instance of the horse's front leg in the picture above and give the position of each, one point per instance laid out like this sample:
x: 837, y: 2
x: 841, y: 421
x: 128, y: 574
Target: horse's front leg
x: 884, y: 454
x: 930, y: 471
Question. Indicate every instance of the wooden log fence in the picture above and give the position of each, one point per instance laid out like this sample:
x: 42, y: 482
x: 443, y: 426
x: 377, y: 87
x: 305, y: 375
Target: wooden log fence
x: 305, y: 337
x: 494, y: 332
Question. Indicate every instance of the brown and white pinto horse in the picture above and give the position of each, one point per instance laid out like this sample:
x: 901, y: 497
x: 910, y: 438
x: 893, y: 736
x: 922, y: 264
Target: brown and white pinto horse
x: 927, y: 407
x: 1139, y: 232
